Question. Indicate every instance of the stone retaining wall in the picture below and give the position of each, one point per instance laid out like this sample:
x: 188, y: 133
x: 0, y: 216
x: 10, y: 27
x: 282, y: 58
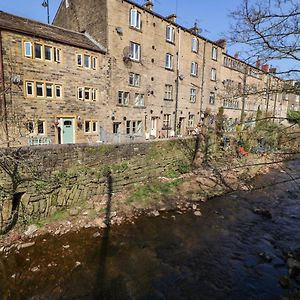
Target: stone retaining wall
x: 46, y: 179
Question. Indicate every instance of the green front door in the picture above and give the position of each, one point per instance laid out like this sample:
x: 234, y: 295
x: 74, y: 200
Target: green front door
x: 68, y: 131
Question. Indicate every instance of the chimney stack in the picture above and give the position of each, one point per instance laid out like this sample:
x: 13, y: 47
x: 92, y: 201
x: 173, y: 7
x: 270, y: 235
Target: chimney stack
x: 273, y: 70
x: 195, y: 29
x: 222, y: 43
x: 149, y: 5
x: 236, y: 55
x: 265, y: 68
x: 258, y: 63
x: 172, y: 18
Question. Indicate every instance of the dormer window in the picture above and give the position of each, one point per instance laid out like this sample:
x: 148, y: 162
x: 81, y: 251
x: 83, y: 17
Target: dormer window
x: 195, y: 45
x: 170, y: 34
x: 135, y: 19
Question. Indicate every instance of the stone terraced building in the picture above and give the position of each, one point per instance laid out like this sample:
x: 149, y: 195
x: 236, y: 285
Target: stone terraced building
x: 115, y: 71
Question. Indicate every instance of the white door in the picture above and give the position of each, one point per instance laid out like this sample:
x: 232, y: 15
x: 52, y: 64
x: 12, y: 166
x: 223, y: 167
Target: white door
x: 154, y: 126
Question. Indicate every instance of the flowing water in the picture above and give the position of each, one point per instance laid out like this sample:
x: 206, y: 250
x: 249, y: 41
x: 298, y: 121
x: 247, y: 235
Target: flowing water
x: 230, y: 252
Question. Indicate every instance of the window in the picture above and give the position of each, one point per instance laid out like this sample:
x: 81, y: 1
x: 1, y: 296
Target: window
x: 194, y: 69
x: 80, y: 93
x: 94, y: 94
x: 169, y: 61
x: 49, y: 90
x: 38, y: 51
x: 48, y: 53
x: 87, y: 94
x: 212, y: 98
x: 29, y: 88
x: 86, y: 61
x: 135, y: 19
x: 134, y: 79
x: 170, y: 34
x: 213, y: 75
x: 123, y: 98
x: 193, y: 94
x: 30, y: 127
x: 116, y: 127
x: 90, y: 126
x: 231, y: 104
x: 40, y: 89
x: 27, y: 49
x: 94, y: 63
x: 58, y: 91
x: 214, y: 53
x: 133, y: 127
x: 57, y: 54
x: 79, y: 60
x: 167, y: 121
x: 139, y: 100
x: 168, y: 92
x: 135, y: 51
x: 191, y: 121
x: 41, y: 127
x: 195, y: 45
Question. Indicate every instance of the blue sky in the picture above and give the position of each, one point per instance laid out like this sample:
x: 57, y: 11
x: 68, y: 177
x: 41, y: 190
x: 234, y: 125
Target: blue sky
x: 211, y: 16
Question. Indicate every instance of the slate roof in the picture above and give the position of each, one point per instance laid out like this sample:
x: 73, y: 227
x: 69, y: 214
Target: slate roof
x: 49, y: 32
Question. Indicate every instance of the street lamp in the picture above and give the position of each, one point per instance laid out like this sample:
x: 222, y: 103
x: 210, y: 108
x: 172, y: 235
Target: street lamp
x: 46, y: 4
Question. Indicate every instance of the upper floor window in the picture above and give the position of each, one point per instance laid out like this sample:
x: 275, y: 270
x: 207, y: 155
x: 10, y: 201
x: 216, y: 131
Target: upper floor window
x: 168, y: 92
x: 86, y: 93
x: 194, y: 69
x: 139, y: 100
x: 135, y: 51
x: 134, y: 79
x: 42, y: 52
x: 212, y: 98
x: 170, y: 34
x: 213, y: 74
x: 193, y: 94
x: 43, y: 89
x: 123, y: 98
x: 169, y: 61
x: 214, y: 53
x: 191, y: 121
x: 135, y: 19
x: 28, y: 49
x: 195, y: 45
x: 87, y: 61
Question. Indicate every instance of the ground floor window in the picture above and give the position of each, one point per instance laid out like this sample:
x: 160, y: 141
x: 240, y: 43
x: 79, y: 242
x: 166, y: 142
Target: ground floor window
x: 90, y: 126
x: 133, y: 127
x: 36, y: 127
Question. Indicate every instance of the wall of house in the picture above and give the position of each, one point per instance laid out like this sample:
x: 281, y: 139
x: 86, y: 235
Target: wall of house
x: 23, y: 108
x: 66, y: 175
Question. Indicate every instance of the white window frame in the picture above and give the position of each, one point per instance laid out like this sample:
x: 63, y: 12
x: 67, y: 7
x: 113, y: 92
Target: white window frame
x: 58, y: 87
x: 193, y: 95
x: 213, y: 74
x: 94, y: 62
x: 57, y: 55
x: 94, y: 94
x: 169, y: 61
x: 80, y: 90
x: 167, y: 121
x: 88, y: 66
x: 139, y: 100
x: 27, y: 83
x: 81, y: 60
x: 214, y: 53
x: 191, y: 121
x: 195, y: 45
x: 37, y: 127
x: 87, y: 91
x: 194, y: 68
x: 168, y: 92
x: 212, y: 98
x: 135, y: 19
x: 47, y: 84
x: 43, y: 89
x: 30, y: 49
x: 135, y: 51
x: 134, y: 79
x: 123, y: 98
x: 170, y: 34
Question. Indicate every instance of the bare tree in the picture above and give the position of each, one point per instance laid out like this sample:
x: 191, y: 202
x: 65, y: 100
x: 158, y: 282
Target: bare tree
x: 270, y: 30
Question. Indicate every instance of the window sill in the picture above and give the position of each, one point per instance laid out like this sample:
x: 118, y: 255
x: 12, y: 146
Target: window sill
x: 194, y: 75
x: 170, y: 42
x: 137, y: 106
x: 166, y: 99
x: 122, y: 105
x: 136, y: 29
x: 166, y: 128
x: 168, y: 69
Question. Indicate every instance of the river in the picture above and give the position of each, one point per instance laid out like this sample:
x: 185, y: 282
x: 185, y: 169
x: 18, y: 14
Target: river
x: 232, y: 251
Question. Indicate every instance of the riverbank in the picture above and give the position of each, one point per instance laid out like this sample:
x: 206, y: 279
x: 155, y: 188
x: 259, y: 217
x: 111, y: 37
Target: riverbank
x: 175, y: 192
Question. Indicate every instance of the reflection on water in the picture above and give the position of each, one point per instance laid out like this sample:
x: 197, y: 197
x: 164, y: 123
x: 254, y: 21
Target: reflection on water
x: 228, y: 253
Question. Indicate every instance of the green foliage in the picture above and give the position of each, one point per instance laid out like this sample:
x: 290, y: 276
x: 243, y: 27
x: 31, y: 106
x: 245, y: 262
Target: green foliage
x: 183, y: 166
x: 120, y: 168
x: 293, y: 116
x: 172, y: 173
x: 105, y: 171
x: 145, y: 193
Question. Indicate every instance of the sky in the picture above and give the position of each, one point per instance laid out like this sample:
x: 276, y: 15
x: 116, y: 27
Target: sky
x: 212, y: 16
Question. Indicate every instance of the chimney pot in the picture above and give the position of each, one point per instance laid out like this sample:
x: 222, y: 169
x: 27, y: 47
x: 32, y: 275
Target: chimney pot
x: 236, y: 55
x: 149, y: 5
x: 172, y: 18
